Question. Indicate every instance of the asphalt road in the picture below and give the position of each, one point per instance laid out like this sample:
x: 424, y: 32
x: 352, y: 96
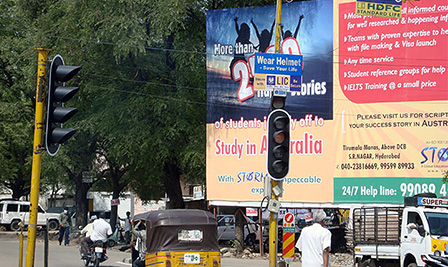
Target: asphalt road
x: 68, y: 256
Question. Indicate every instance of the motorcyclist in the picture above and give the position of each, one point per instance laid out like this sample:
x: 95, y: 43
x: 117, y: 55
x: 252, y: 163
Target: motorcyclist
x: 101, y: 232
x: 88, y: 229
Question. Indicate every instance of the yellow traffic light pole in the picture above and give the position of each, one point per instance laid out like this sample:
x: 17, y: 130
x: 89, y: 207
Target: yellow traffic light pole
x: 37, y: 155
x: 272, y: 215
x: 278, y: 27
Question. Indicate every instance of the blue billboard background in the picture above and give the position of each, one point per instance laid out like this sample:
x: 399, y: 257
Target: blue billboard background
x: 309, y: 22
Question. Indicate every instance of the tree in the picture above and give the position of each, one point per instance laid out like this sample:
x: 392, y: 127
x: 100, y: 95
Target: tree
x: 176, y: 132
x: 116, y: 177
x: 145, y: 128
x: 54, y: 180
x: 17, y: 100
x: 67, y: 168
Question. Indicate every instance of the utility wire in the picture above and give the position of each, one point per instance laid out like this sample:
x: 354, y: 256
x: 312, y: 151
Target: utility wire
x: 229, y: 105
x: 236, y: 83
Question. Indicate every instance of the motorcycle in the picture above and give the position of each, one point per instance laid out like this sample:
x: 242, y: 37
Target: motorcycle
x: 96, y: 255
x: 435, y: 260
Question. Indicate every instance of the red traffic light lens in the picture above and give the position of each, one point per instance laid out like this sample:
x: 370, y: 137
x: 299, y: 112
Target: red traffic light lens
x: 279, y: 137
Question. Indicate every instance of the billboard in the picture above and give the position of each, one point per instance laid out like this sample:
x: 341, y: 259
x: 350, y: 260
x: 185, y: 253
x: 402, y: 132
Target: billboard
x: 370, y: 121
x: 392, y: 131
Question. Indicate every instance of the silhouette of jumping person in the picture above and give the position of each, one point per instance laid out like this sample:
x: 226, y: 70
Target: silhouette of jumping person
x: 288, y: 32
x: 264, y: 39
x: 243, y: 39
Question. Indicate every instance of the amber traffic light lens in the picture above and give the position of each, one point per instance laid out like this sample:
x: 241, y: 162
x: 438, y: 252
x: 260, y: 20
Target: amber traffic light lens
x: 279, y: 152
x: 280, y: 122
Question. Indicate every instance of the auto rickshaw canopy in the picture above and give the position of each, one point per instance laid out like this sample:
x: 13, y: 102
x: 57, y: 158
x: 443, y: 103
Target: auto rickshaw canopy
x: 180, y: 230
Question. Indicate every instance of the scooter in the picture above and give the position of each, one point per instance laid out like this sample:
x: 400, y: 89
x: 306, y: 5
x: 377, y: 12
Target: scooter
x: 116, y: 237
x: 438, y: 259
x: 96, y: 255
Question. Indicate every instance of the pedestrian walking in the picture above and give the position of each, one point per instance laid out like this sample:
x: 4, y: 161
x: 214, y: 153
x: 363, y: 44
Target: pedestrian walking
x: 64, y: 227
x: 315, y: 242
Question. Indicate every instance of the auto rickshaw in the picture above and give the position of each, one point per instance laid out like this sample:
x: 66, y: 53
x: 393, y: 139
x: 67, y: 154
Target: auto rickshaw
x: 181, y: 237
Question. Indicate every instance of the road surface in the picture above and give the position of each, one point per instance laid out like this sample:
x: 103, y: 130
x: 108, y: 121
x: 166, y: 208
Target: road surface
x: 68, y: 256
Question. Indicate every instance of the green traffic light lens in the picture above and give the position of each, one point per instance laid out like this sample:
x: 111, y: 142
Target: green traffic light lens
x: 279, y: 166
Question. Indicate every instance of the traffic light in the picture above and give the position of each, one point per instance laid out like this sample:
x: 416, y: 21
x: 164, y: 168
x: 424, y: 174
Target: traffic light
x: 278, y: 143
x: 58, y: 93
x: 277, y: 102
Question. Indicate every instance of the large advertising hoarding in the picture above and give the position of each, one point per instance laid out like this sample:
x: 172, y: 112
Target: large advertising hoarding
x: 370, y: 123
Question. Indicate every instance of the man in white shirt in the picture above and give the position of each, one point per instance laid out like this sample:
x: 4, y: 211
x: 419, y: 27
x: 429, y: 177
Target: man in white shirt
x: 315, y: 243
x: 101, y: 232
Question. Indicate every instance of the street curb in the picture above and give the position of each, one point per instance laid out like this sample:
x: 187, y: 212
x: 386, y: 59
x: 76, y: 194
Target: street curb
x: 127, y: 260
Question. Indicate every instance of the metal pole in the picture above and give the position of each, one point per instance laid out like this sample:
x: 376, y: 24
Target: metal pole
x: 21, y: 245
x: 46, y: 245
x: 273, y: 235
x: 260, y: 240
x: 37, y: 155
x: 272, y: 215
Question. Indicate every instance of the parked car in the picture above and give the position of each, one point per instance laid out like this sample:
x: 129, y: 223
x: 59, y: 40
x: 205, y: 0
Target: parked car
x: 226, y: 229
x: 12, y: 212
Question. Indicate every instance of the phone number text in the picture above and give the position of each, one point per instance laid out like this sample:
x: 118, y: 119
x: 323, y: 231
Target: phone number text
x: 376, y: 166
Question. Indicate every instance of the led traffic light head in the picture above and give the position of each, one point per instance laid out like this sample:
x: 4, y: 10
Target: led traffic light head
x: 278, y: 143
x: 278, y: 102
x: 55, y: 135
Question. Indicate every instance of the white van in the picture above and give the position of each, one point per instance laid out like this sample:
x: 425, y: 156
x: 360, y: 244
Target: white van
x: 12, y: 212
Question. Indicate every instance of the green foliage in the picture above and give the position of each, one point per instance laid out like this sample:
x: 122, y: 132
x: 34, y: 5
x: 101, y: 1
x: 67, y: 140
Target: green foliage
x: 16, y: 103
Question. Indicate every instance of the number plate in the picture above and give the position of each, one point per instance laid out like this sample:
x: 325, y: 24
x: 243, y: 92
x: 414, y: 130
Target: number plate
x: 98, y: 249
x: 190, y: 235
x: 192, y: 258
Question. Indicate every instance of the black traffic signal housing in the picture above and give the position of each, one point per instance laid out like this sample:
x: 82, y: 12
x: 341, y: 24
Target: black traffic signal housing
x: 58, y: 94
x: 278, y: 143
